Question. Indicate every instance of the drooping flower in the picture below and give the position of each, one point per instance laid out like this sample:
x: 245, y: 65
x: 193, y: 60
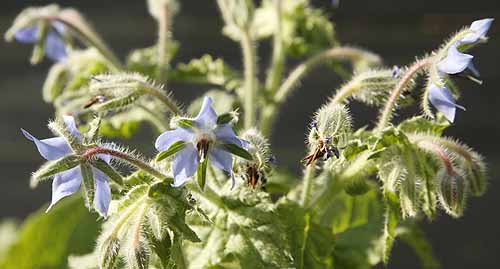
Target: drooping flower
x: 456, y: 61
x: 443, y: 101
x: 201, y: 140
x: 68, y: 182
x: 54, y: 46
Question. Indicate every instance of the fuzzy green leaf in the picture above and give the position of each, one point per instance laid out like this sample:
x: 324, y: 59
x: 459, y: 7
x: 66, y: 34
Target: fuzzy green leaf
x: 236, y: 238
x: 46, y: 239
x: 311, y: 244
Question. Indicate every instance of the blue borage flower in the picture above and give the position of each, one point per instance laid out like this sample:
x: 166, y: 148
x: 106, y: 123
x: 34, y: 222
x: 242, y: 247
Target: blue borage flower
x: 198, y: 140
x: 453, y: 63
x: 68, y: 182
x: 54, y: 46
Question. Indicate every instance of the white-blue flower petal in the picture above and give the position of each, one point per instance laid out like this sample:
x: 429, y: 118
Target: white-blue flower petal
x: 185, y: 164
x: 443, y: 101
x: 27, y: 35
x: 479, y: 30
x: 65, y: 183
x: 222, y: 159
x: 102, y: 196
x: 455, y: 61
x: 55, y: 49
x: 70, y: 123
x: 225, y: 134
x: 206, y: 118
x: 166, y: 139
x: 50, y: 148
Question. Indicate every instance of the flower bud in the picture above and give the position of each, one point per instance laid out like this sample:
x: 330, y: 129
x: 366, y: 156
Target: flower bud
x: 259, y: 168
x: 452, y: 192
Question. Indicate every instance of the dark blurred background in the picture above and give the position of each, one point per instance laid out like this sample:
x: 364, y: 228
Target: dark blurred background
x: 397, y: 30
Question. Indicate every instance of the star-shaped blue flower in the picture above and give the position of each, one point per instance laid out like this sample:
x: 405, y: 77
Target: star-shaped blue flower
x: 204, y: 139
x: 54, y: 43
x: 68, y: 182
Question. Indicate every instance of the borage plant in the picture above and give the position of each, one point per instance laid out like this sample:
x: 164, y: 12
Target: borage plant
x: 214, y: 197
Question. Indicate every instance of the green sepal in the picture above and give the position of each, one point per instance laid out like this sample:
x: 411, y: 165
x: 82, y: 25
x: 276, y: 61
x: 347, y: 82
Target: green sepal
x: 88, y: 186
x: 93, y: 132
x: 238, y: 151
x: 174, y: 148
x: 186, y: 123
x: 201, y: 173
x: 225, y: 118
x: 108, y: 170
x: 53, y: 167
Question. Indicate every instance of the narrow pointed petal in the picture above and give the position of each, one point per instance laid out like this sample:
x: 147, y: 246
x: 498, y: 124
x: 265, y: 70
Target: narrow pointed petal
x: 165, y: 140
x: 480, y: 29
x: 207, y: 118
x: 223, y: 160
x: 70, y: 123
x: 225, y: 134
x: 50, y: 148
x: 54, y: 47
x: 455, y: 62
x: 27, y: 35
x: 443, y: 101
x: 185, y: 164
x: 102, y: 196
x: 65, y: 183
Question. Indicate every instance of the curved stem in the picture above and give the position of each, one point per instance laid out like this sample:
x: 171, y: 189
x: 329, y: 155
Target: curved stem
x: 84, y: 32
x: 89, y: 153
x: 270, y: 111
x: 386, y: 114
x: 164, y: 98
x: 308, y: 180
x: 250, y: 66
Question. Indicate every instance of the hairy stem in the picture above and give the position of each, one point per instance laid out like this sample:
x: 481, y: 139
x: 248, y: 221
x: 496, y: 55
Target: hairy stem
x: 250, y: 67
x: 73, y: 20
x: 164, y: 37
x: 308, y: 181
x: 270, y: 111
x: 89, y: 153
x: 164, y: 98
x: 278, y: 58
x: 413, y: 70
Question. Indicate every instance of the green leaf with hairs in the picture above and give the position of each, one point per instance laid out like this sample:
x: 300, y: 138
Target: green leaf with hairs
x: 174, y: 148
x: 238, y: 151
x: 45, y: 240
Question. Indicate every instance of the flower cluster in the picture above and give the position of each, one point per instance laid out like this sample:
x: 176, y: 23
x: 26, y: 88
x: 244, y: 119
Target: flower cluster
x: 454, y: 62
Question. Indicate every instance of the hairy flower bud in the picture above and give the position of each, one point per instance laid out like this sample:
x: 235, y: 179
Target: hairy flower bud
x: 258, y: 169
x: 452, y: 192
